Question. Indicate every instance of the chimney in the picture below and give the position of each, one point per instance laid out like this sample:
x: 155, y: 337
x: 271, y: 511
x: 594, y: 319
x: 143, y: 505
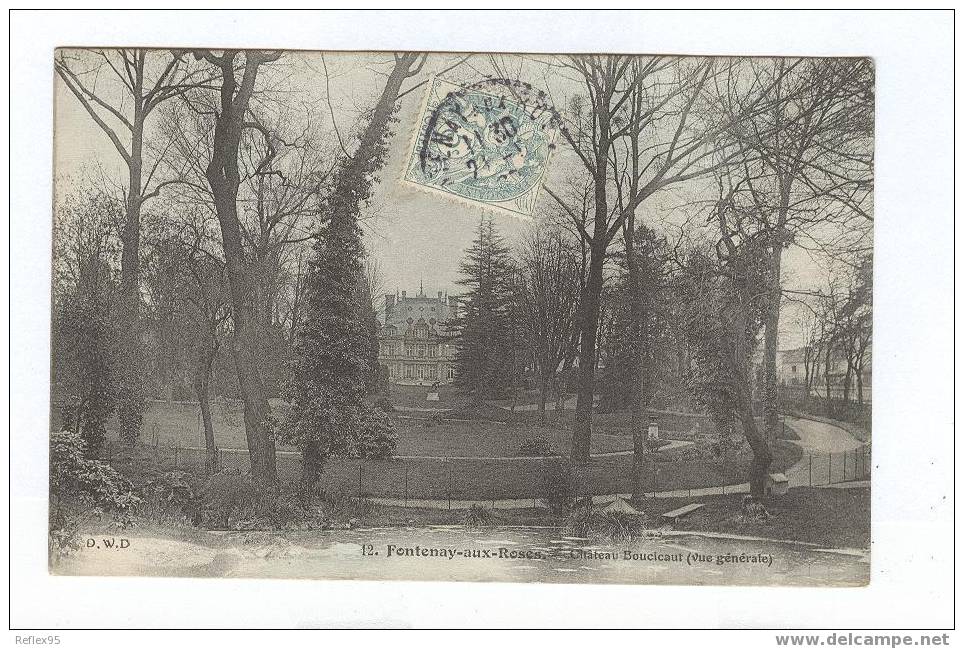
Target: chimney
x: 440, y: 296
x: 403, y: 295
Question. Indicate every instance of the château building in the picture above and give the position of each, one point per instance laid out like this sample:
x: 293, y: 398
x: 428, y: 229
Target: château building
x: 413, y: 343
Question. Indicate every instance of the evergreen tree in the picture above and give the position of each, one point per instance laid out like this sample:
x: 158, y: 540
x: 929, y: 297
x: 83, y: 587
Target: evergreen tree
x: 487, y: 355
x: 333, y: 372
x: 337, y: 346
x: 85, y: 325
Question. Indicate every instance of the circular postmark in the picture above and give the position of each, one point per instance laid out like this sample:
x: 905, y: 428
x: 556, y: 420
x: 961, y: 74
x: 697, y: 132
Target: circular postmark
x: 489, y: 141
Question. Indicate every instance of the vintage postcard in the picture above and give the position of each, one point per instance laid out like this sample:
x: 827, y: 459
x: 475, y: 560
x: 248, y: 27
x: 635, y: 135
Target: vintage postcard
x: 596, y: 318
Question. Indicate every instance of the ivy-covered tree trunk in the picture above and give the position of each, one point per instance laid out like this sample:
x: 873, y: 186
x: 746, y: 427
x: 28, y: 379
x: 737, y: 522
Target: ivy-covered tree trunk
x: 336, y: 342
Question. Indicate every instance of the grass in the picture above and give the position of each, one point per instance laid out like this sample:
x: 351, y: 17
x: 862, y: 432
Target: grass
x: 426, y: 477
x: 828, y: 517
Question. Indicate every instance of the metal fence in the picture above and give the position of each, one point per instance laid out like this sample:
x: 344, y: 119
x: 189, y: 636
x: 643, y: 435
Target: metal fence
x: 489, y: 480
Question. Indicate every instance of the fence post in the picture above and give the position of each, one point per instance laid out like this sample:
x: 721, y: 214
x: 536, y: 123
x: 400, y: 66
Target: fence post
x: 406, y: 485
x: 810, y: 472
x: 829, y: 468
x: 359, y: 478
x: 450, y: 486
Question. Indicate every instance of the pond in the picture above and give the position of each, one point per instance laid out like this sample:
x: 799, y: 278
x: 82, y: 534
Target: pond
x: 522, y: 554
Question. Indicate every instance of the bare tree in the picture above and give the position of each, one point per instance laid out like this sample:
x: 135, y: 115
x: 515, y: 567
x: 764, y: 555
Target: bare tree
x: 645, y: 124
x: 120, y: 89
x: 807, y: 159
x: 550, y: 281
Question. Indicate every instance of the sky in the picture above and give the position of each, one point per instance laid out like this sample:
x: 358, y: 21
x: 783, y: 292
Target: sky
x: 416, y: 237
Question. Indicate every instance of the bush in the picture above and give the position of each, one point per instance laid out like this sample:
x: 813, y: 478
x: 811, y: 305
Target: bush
x: 339, y: 507
x: 224, y: 496
x: 590, y: 522
x: 538, y: 447
x: 477, y: 516
x: 82, y: 489
x: 559, y: 489
x: 378, y: 437
x: 170, y: 496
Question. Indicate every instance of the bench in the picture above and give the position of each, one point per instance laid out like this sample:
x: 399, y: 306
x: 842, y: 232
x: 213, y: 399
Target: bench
x: 677, y: 514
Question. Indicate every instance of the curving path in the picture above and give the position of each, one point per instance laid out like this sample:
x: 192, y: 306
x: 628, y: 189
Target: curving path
x: 817, y: 438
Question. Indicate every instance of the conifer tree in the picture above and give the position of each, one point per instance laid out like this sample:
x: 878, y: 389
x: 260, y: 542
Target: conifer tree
x: 486, y: 354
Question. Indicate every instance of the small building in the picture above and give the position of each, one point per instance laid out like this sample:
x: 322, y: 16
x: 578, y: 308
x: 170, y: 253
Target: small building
x: 777, y: 484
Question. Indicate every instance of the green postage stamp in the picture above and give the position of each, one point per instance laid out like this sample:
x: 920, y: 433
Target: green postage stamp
x: 488, y: 143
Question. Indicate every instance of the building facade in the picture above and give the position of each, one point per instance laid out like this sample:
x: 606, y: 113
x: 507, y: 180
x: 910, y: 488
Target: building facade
x: 413, y: 344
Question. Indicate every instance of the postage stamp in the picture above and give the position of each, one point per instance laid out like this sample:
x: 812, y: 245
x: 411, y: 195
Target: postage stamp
x: 488, y: 143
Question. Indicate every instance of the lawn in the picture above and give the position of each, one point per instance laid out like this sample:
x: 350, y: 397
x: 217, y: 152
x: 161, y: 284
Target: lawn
x: 427, y: 476
x: 829, y: 517
x: 836, y: 518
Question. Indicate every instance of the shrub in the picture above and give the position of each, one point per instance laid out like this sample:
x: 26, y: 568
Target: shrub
x: 170, y: 496
x: 590, y: 522
x: 559, y: 490
x: 339, y: 506
x: 378, y: 437
x: 224, y: 496
x: 538, y: 447
x: 81, y: 489
x: 477, y: 516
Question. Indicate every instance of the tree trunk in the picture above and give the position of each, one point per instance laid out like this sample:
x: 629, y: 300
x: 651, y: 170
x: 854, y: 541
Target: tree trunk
x: 589, y: 319
x: 247, y: 352
x: 130, y: 390
x: 762, y: 457
x: 543, y: 396
x: 202, y: 385
x: 770, y: 343
x: 826, y: 378
x: 223, y: 176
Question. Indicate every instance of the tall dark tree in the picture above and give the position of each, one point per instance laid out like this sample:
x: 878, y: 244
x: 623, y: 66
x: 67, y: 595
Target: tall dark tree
x: 725, y: 294
x: 336, y: 346
x: 85, y: 320
x: 224, y: 178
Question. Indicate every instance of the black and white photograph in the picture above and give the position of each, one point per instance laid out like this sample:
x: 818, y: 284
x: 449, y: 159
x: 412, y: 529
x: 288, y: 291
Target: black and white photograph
x: 601, y: 318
